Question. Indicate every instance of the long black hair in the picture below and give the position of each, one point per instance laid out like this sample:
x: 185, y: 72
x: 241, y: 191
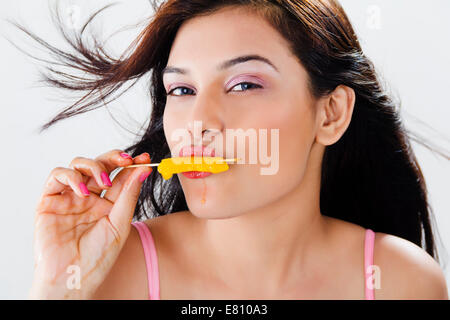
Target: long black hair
x: 369, y: 177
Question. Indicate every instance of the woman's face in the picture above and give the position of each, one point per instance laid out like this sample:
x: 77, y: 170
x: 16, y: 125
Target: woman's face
x: 253, y: 96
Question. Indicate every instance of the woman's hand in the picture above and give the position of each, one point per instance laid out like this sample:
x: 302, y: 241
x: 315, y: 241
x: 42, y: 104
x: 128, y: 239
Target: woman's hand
x: 78, y: 237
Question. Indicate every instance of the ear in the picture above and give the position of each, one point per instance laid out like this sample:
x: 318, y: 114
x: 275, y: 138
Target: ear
x: 335, y: 113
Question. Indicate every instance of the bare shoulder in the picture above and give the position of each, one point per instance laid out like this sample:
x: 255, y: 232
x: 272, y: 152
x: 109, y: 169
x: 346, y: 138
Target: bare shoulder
x: 406, y: 270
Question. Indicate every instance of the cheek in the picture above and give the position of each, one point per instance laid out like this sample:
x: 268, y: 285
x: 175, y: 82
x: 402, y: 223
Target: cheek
x: 297, y: 137
x: 172, y: 125
x: 294, y: 120
x: 166, y: 128
x: 167, y: 119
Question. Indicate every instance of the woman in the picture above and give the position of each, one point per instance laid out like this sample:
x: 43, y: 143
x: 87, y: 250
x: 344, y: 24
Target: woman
x: 347, y: 181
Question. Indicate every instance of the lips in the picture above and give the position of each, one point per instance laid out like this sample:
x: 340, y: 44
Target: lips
x: 196, y: 174
x: 196, y: 151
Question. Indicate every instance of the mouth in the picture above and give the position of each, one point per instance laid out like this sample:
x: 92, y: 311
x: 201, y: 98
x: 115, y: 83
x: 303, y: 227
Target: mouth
x: 196, y: 151
x: 196, y: 174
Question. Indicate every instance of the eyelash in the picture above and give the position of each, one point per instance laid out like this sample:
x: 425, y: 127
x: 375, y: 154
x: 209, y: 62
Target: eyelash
x: 241, y: 83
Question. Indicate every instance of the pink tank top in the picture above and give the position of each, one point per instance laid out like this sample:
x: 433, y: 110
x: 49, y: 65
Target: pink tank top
x: 151, y: 260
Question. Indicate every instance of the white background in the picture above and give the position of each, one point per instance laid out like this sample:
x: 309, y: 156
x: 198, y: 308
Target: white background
x: 407, y: 40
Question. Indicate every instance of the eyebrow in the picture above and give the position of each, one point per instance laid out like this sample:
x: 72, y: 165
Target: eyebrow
x: 224, y: 65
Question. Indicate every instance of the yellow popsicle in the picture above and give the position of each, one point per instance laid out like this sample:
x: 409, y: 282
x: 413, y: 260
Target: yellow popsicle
x: 170, y: 166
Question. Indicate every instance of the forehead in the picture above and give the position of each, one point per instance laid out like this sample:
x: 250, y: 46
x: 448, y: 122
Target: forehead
x: 229, y: 32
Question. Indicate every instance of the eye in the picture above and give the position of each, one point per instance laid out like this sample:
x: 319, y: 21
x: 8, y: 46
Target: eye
x: 185, y: 90
x: 247, y: 85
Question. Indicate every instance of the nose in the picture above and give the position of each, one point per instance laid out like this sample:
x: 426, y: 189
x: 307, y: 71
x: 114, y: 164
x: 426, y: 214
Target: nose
x: 205, y: 119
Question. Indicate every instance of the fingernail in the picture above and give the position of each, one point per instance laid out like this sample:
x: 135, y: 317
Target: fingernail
x: 125, y: 155
x: 144, y: 176
x: 84, y: 189
x: 105, y: 179
x: 142, y: 155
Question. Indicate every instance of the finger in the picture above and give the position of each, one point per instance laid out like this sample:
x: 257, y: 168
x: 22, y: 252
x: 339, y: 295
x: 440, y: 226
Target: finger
x: 124, y: 206
x: 95, y: 170
x: 122, y: 176
x: 114, y: 158
x: 142, y: 158
x: 65, y: 204
x: 61, y: 179
x: 110, y: 160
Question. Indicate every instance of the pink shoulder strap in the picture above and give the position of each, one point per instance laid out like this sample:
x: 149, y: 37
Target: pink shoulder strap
x: 368, y: 261
x: 151, y: 259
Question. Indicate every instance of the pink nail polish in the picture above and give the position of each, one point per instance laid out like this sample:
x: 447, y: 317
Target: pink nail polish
x: 125, y: 155
x: 84, y: 189
x: 144, y: 176
x: 105, y: 179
